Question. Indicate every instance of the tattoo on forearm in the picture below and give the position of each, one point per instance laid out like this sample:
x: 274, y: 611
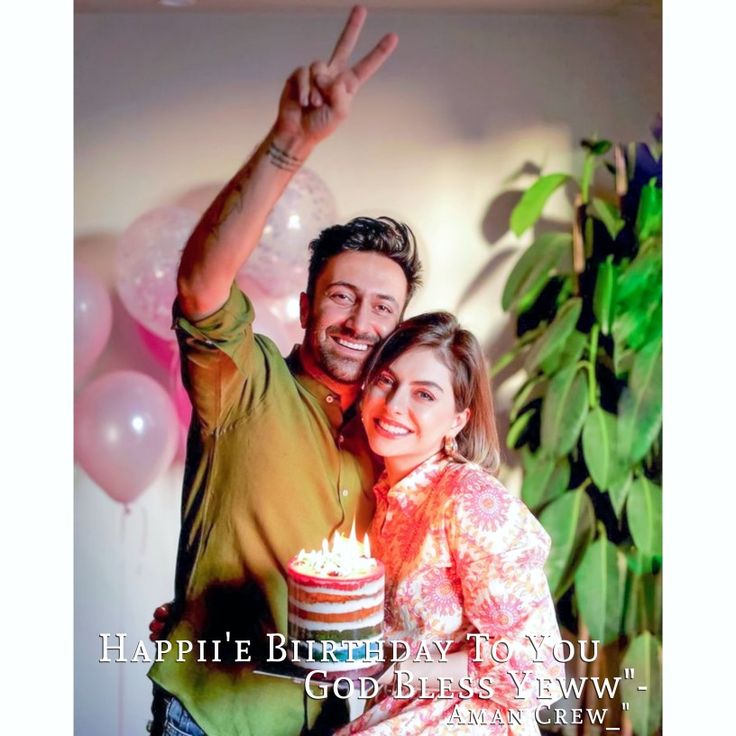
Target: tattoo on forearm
x: 231, y: 202
x: 283, y: 160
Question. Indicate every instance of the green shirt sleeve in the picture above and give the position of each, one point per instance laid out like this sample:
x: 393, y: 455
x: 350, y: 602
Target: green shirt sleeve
x: 220, y: 360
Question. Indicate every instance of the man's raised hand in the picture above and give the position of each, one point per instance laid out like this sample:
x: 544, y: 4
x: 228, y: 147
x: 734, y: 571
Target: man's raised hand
x: 317, y: 98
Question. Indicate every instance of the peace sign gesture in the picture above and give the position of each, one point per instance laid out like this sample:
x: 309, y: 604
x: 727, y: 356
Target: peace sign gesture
x: 317, y: 98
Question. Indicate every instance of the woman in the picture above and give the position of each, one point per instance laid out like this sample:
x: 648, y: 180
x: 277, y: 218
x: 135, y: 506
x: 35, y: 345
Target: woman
x: 462, y: 555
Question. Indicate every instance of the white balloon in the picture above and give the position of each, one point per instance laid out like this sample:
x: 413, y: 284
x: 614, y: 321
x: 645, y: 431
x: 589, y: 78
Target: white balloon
x: 146, y: 262
x: 279, y: 263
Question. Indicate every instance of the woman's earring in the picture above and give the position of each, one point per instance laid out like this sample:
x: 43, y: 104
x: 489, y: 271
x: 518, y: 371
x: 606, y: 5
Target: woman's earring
x: 450, y: 446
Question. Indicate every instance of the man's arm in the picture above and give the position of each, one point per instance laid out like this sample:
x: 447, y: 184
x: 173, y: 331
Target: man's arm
x: 313, y: 103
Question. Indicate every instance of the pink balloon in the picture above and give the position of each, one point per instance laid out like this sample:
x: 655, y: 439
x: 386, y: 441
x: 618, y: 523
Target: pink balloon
x: 200, y: 198
x: 181, y: 403
x: 92, y: 319
x: 279, y: 263
x: 162, y: 350
x: 125, y: 433
x: 179, y: 394
x: 283, y: 331
x: 146, y: 261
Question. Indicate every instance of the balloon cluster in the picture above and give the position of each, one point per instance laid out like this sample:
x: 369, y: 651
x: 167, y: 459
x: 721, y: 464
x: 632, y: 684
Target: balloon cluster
x: 127, y: 425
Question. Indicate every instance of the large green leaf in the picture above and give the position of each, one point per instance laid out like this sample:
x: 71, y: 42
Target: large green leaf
x: 599, y: 446
x: 623, y: 357
x: 609, y: 215
x: 564, y: 410
x: 644, y: 514
x: 570, y: 352
x: 618, y: 492
x: 517, y: 428
x: 589, y: 166
x: 599, y: 589
x: 642, y: 603
x: 511, y: 355
x: 649, y: 216
x: 603, y: 296
x: 637, y: 280
x: 532, y: 389
x: 646, y: 325
x: 640, y: 407
x: 569, y: 521
x: 595, y: 149
x: 532, y: 202
x: 544, y: 480
x: 644, y: 657
x: 554, y: 339
x: 533, y: 270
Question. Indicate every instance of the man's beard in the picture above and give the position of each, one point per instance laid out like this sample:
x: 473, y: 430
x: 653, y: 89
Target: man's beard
x: 340, y: 368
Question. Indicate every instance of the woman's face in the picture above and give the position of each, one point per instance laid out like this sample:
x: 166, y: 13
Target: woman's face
x: 409, y: 409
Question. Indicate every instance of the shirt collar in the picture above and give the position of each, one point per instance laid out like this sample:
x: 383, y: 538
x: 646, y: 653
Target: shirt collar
x: 412, y: 489
x: 328, y: 400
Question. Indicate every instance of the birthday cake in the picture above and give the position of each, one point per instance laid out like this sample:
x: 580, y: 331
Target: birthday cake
x: 336, y: 606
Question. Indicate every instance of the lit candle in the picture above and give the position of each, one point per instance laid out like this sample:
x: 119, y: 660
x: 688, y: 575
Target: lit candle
x: 343, y: 556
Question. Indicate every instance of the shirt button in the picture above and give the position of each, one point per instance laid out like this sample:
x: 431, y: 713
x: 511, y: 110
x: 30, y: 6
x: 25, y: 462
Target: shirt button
x: 344, y: 491
x: 330, y: 399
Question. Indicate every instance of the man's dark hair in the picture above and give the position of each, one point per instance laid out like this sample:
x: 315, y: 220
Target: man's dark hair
x: 385, y: 236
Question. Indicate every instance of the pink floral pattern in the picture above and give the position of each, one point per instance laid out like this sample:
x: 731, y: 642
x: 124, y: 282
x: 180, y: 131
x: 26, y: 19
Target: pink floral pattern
x: 463, y: 556
x: 441, y: 592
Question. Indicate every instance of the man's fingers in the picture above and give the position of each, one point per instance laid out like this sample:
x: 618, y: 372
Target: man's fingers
x: 373, y: 60
x: 297, y: 86
x: 315, y: 98
x: 348, y: 38
x: 302, y: 82
x: 320, y: 83
x: 162, y: 612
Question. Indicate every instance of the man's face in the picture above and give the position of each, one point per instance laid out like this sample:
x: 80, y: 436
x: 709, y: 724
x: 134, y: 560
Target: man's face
x: 358, y: 300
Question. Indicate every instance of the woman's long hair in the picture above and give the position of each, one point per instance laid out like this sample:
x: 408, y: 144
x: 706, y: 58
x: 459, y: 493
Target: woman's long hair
x: 460, y: 351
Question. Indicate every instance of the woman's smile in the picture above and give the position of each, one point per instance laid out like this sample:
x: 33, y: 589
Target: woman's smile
x: 391, y: 429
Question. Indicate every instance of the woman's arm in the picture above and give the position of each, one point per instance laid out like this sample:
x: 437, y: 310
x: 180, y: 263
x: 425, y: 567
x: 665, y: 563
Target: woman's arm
x: 499, y: 550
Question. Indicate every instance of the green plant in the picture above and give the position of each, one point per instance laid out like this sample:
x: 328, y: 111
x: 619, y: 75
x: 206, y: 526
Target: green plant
x: 587, y: 421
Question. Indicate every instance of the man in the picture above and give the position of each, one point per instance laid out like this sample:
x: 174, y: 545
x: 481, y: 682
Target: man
x: 276, y: 459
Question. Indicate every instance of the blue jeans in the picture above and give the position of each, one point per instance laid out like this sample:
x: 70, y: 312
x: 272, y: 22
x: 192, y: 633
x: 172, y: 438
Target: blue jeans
x: 171, y: 718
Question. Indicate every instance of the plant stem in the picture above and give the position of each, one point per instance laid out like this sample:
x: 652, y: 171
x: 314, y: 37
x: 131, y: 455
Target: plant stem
x: 588, y: 169
x: 592, y: 383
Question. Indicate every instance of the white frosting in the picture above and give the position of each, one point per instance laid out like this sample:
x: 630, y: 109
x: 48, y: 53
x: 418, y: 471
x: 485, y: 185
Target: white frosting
x: 333, y: 563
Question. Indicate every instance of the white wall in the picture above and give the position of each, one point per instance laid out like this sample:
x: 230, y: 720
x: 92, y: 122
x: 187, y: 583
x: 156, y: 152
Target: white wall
x: 168, y: 102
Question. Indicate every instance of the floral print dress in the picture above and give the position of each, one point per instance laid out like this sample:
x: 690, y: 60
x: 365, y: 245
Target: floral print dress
x: 462, y: 555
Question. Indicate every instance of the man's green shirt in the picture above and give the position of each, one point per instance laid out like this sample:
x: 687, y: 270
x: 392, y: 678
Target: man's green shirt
x: 273, y: 466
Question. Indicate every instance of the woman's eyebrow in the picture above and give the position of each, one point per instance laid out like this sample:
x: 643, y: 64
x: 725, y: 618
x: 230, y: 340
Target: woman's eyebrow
x: 428, y: 383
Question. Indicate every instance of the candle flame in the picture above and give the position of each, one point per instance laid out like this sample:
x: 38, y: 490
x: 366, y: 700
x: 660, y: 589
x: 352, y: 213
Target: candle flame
x: 341, y: 554
x: 349, y: 547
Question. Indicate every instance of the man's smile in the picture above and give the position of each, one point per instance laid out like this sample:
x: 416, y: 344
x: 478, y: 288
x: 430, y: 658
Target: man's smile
x: 344, y: 342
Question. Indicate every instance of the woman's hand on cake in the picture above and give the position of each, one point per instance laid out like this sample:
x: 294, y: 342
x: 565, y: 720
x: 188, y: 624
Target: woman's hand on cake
x: 160, y: 620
